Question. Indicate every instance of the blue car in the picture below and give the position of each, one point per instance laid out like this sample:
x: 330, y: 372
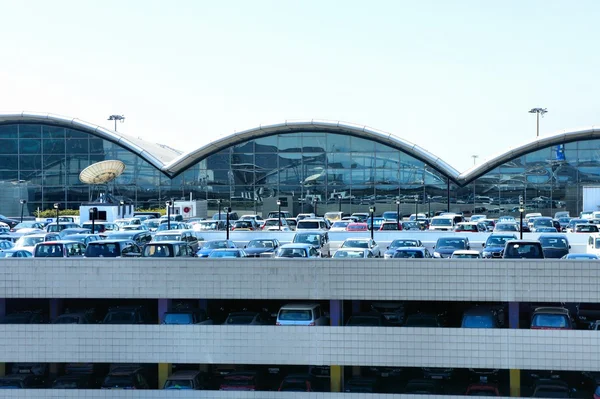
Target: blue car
x: 494, y: 245
x: 256, y: 248
x: 555, y: 246
x: 211, y: 245
x: 401, y: 243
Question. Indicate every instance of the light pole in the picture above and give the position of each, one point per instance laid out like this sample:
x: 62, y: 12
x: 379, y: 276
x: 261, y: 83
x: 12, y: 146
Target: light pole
x: 372, y: 211
x: 339, y: 198
x: 169, y: 203
x: 538, y: 111
x: 219, y: 212
x: 122, y: 203
x: 116, y: 118
x: 398, y: 214
x: 93, y: 212
x: 315, y: 200
x: 57, y: 221
x: 417, y: 207
x: 429, y: 202
x: 301, y: 203
x: 227, y: 211
x: 23, y: 202
x: 521, y: 218
x: 279, y: 214
x: 474, y: 159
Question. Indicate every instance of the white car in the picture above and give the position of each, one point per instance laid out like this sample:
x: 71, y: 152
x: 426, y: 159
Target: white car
x: 466, y: 254
x: 340, y: 225
x: 273, y: 225
x: 363, y: 243
x: 353, y: 253
x: 28, y: 242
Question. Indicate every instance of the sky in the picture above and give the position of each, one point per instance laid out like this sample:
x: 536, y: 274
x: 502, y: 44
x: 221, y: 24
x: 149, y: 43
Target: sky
x: 457, y: 78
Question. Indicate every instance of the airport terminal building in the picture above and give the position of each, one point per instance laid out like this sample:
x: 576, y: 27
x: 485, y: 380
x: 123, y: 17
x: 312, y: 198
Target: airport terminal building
x: 334, y: 164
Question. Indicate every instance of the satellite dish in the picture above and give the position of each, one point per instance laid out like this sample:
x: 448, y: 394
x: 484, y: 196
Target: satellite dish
x: 102, y: 172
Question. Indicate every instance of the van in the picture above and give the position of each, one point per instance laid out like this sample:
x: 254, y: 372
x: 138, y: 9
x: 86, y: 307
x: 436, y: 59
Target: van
x: 187, y: 236
x: 523, y: 249
x: 301, y: 314
x: 59, y: 249
x: 593, y: 244
x: 442, y: 223
x: 311, y: 224
x: 168, y: 249
x: 275, y: 215
x: 112, y: 249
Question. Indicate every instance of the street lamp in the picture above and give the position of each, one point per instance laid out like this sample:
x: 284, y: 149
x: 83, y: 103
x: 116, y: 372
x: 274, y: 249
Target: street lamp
x: 169, y: 204
x: 417, y: 207
x: 227, y: 211
x: 23, y: 202
x: 279, y: 214
x: 93, y: 211
x: 122, y: 203
x: 301, y: 203
x: 219, y: 213
x: 116, y: 118
x: 339, y: 198
x: 429, y: 202
x: 57, y: 221
x: 372, y: 211
x: 538, y: 111
x: 315, y: 200
x: 521, y: 210
x: 398, y: 214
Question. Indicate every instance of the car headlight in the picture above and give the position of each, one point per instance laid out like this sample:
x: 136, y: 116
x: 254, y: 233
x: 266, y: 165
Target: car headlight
x: 387, y: 256
x: 486, y: 254
x: 437, y: 255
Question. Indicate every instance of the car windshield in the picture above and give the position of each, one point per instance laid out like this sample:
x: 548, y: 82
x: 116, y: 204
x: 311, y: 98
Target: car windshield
x: 312, y: 239
x: 554, y: 242
x: 542, y: 222
x: 507, y: 227
x: 408, y: 254
x: 545, y: 320
x: 466, y: 227
x: 457, y: 243
x: 304, y: 224
x: 178, y: 384
x: 441, y: 222
x: 478, y: 321
x: 120, y: 316
x: 167, y: 237
x: 348, y: 254
x: 239, y: 319
x: 215, y: 244
x: 355, y: 244
x: 497, y: 241
x: 152, y: 223
x: 292, y: 253
x: 107, y: 250
x: 28, y: 241
x: 586, y: 228
x: 564, y: 220
x: 260, y: 244
x: 243, y: 225
x: 403, y: 243
x: 295, y: 314
x: 178, y: 318
x: 225, y: 254
x: 159, y: 251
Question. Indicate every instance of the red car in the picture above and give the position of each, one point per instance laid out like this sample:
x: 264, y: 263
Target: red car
x: 482, y: 390
x: 240, y: 381
x: 296, y: 383
x: 357, y: 227
x: 390, y: 225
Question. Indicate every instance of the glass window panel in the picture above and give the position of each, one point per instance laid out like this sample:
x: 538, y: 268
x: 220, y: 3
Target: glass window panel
x: 76, y: 134
x: 9, y: 131
x: 220, y: 160
x: 266, y: 144
x: 363, y: 160
x: 7, y: 175
x: 9, y: 162
x: 96, y: 145
x: 540, y: 156
x: 338, y: 143
x: 290, y: 142
x: 30, y: 131
x: 267, y: 161
x: 242, y: 160
x: 571, y: 146
x: 247, y: 147
x: 30, y: 146
x: 362, y: 145
x: 9, y: 146
x: 77, y: 146
x: 53, y: 132
x: 589, y: 157
x: 54, y: 146
x: 30, y: 162
x: 287, y: 160
x: 314, y: 142
x: 388, y: 160
x: 53, y: 161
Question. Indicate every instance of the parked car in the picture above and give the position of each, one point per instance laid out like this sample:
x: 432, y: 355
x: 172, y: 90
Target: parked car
x: 523, y: 249
x: 125, y: 378
x: 400, y: 243
x: 586, y: 228
x: 470, y: 227
x: 297, y: 383
x: 318, y: 240
x: 262, y: 247
x: 187, y: 316
x: 466, y: 254
x: 495, y: 243
x: 442, y: 223
x: 59, y: 249
x: 73, y: 318
x: 5, y: 244
x: 551, y: 318
x: 56, y: 228
x: 74, y: 381
x: 483, y: 317
x: 244, y: 225
x: 228, y: 253
x: 188, y: 380
x: 139, y: 237
x: 411, y: 226
x: 551, y: 388
x: 241, y: 381
x: 575, y: 221
x: 506, y: 227
x: 312, y: 224
x: 357, y: 227
x: 127, y: 315
x: 340, y: 225
x: 423, y: 386
x: 297, y: 251
x: 15, y: 253
x: 482, y: 389
x: 112, y: 249
x: 28, y: 242
x: 168, y: 249
x: 581, y: 257
x: 367, y: 319
x: 21, y: 381
x: 423, y: 320
x: 363, y: 243
x: 411, y: 253
x: 390, y: 225
x: 211, y: 245
x: 83, y: 238
x: 353, y: 253
x: 247, y: 318
x: 24, y: 317
x: 445, y: 246
x: 554, y: 246
x: 300, y: 314
x: 187, y: 236
x: 100, y: 227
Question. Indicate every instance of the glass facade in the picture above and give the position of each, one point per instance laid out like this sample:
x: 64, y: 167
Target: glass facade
x: 42, y: 162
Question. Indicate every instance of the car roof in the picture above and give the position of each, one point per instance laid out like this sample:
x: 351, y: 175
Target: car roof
x: 400, y: 249
x: 296, y: 245
x: 165, y: 232
x: 358, y: 239
x: 58, y: 242
x: 551, y: 309
x: 300, y: 306
x: 184, y: 374
x: 170, y: 242
x: 466, y: 252
x: 109, y: 241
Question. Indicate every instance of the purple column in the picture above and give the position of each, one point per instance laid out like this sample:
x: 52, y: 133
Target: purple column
x: 355, y: 306
x: 164, y: 305
x: 336, y: 312
x: 2, y: 307
x: 203, y: 304
x: 513, y: 315
x: 56, y: 308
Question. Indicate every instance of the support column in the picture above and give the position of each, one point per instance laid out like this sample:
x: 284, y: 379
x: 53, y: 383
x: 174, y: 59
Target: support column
x: 2, y: 314
x: 203, y: 304
x: 164, y: 305
x: 56, y: 308
x: 336, y: 375
x: 336, y: 317
x: 336, y: 313
x: 355, y: 306
x: 513, y: 323
x: 164, y: 371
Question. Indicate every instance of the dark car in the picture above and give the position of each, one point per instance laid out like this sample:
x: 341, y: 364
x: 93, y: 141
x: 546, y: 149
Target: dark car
x: 71, y: 231
x: 551, y: 318
x: 6, y: 244
x: 247, y: 318
x: 125, y: 378
x: 211, y: 245
x: 168, y: 249
x: 24, y: 317
x: 74, y: 318
x: 554, y: 246
x: 551, y: 388
x: 422, y: 387
x: 187, y: 236
x: 483, y: 317
x: 101, y: 227
x: 139, y: 237
x: 83, y: 238
x: 59, y: 249
x: 112, y: 249
x: 74, y: 381
x: 127, y: 315
x: 10, y: 222
x: 394, y: 312
x: 401, y: 243
x: 367, y: 319
x: 362, y: 385
x: 298, y: 383
x: 241, y: 381
x: 186, y: 380
x: 187, y: 316
x: 21, y: 381
x: 422, y: 320
x: 587, y: 314
x: 494, y: 245
x: 445, y: 246
x: 482, y: 390
x: 523, y: 249
x: 263, y: 246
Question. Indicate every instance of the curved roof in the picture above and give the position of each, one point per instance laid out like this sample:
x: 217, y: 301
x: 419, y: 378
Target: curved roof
x: 171, y: 162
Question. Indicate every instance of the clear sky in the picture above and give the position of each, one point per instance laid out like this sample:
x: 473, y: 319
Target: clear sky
x: 455, y: 77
